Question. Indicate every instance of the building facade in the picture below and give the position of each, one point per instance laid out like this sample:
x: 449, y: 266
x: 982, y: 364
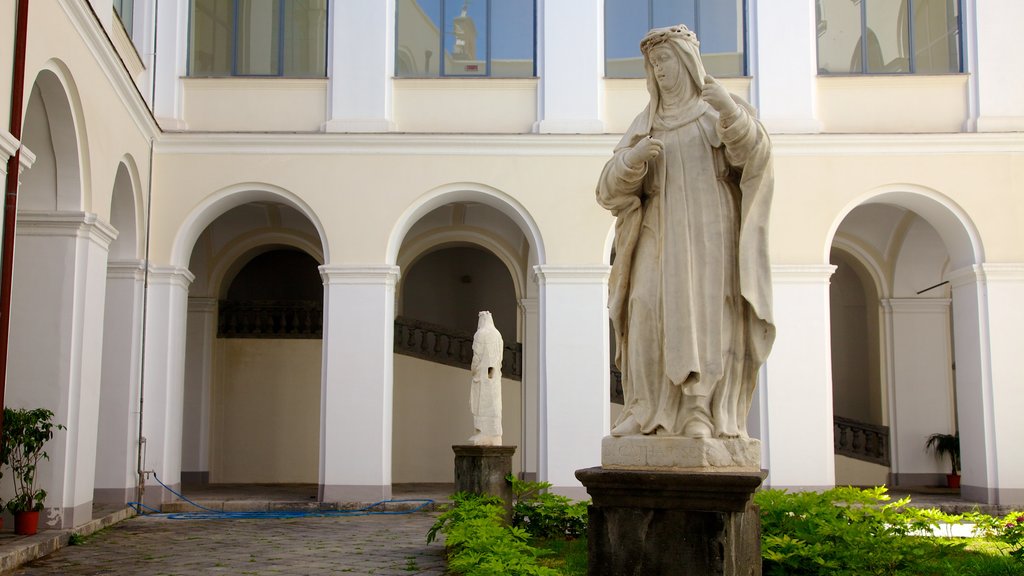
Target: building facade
x: 249, y: 232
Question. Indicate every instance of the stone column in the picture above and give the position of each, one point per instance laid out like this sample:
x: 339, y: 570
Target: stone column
x: 360, y: 65
x: 201, y: 336
x: 570, y: 66
x: 784, y: 64
x: 164, y: 379
x: 796, y: 392
x: 921, y: 387
x: 358, y: 377
x: 60, y: 274
x: 574, y: 404
x: 116, y: 455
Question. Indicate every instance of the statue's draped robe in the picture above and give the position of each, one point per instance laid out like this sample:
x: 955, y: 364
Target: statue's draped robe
x: 690, y: 288
x: 485, y: 392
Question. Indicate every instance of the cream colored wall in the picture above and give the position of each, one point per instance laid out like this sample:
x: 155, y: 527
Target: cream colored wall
x: 265, y: 411
x: 893, y: 103
x: 255, y: 104
x: 431, y: 414
x: 465, y: 105
x: 853, y: 472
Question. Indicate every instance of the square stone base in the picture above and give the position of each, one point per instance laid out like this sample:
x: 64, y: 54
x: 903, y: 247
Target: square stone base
x: 482, y: 470
x: 678, y: 454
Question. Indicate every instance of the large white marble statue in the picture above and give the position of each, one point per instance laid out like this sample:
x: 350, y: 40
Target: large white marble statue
x: 690, y: 290
x: 485, y: 394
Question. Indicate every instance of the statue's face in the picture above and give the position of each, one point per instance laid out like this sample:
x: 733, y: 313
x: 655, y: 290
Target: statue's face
x: 669, y: 72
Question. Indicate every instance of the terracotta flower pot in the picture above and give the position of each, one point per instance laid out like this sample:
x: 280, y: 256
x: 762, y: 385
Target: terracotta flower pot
x: 953, y: 481
x: 26, y: 523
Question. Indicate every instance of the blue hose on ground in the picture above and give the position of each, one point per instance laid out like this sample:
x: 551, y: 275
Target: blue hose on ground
x: 211, y: 514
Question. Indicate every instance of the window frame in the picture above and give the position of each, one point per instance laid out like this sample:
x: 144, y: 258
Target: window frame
x: 744, y: 13
x: 487, y: 27
x: 126, y: 22
x: 234, y: 45
x: 911, y: 44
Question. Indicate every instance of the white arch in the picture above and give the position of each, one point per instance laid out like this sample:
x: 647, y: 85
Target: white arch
x: 434, y: 240
x: 121, y: 211
x: 952, y: 222
x: 68, y: 133
x: 230, y: 197
x: 242, y: 250
x: 466, y: 192
x: 868, y: 260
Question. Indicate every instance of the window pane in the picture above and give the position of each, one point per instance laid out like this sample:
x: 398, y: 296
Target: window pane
x: 936, y: 36
x: 512, y: 41
x: 256, y: 49
x: 465, y: 38
x: 418, y: 38
x: 839, y: 24
x: 126, y: 12
x: 210, y: 52
x: 721, y: 34
x: 672, y: 12
x: 887, y: 37
x: 305, y: 38
x: 625, y: 23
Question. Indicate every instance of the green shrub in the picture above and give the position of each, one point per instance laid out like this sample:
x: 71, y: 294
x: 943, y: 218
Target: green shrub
x: 1008, y: 531
x: 479, y: 542
x: 546, y: 515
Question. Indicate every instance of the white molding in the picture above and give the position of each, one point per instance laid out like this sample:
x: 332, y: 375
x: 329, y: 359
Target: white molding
x: 126, y: 269
x: 917, y: 305
x: 67, y: 224
x: 569, y: 274
x: 26, y: 160
x: 343, y: 274
x: 171, y: 275
x: 1003, y: 272
x: 201, y: 305
x: 8, y: 145
x: 802, y: 273
x: 965, y: 276
x: 102, y: 48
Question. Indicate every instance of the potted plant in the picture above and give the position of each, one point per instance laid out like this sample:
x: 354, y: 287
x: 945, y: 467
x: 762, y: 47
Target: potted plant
x: 947, y: 445
x: 25, y: 432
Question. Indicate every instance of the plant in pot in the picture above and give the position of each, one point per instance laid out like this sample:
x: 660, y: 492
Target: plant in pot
x: 947, y: 445
x: 25, y: 432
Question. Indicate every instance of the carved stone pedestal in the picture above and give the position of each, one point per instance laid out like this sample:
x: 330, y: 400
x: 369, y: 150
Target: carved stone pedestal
x: 670, y: 522
x: 482, y: 470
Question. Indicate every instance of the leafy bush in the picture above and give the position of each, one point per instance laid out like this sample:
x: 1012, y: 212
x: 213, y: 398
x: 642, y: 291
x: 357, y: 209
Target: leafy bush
x: 546, y: 515
x: 847, y: 531
x: 1009, y: 531
x: 481, y: 544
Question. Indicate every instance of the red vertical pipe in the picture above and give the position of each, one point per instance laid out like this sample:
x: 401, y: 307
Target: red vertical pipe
x: 11, y: 195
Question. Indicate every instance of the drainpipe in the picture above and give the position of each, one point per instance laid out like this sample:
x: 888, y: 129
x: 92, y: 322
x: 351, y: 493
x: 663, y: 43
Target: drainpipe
x: 11, y: 195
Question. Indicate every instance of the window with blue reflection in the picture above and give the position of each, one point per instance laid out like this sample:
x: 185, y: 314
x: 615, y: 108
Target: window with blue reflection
x: 888, y: 36
x: 258, y: 38
x: 720, y: 26
x: 465, y: 38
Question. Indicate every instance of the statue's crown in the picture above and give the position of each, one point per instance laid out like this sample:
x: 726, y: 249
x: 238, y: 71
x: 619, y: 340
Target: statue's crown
x: 662, y: 35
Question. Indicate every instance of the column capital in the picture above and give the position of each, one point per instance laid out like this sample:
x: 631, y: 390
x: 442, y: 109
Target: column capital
x: 966, y: 276
x: 126, y: 269
x: 64, y: 223
x: 334, y: 274
x: 571, y: 274
x: 916, y: 305
x: 171, y: 275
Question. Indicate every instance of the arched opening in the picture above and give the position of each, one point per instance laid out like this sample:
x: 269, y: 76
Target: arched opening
x: 254, y: 349
x: 892, y: 309
x: 457, y: 260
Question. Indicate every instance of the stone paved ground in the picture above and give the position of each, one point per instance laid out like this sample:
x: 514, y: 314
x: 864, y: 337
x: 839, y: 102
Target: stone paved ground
x: 380, y: 545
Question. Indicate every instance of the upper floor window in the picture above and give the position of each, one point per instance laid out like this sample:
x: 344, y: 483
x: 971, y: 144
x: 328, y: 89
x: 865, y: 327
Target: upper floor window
x: 465, y: 38
x: 258, y: 38
x: 888, y: 36
x: 719, y: 24
x: 125, y: 10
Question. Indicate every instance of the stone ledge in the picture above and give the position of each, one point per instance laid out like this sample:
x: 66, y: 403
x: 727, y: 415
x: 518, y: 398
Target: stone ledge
x: 678, y: 454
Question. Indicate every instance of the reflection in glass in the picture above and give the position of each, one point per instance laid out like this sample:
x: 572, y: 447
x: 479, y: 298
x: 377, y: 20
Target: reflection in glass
x: 887, y: 41
x: 305, y: 38
x: 719, y: 25
x: 936, y: 36
x: 125, y: 10
x: 256, y: 46
x: 465, y: 38
x: 211, y: 50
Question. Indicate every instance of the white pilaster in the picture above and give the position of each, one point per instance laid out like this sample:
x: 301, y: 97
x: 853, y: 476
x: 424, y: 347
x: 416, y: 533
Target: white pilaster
x: 574, y: 376
x: 997, y: 74
x: 921, y: 390
x: 531, y: 376
x: 201, y: 334
x: 116, y: 456
x: 55, y: 360
x: 784, y: 64
x: 796, y: 392
x: 170, y: 64
x: 360, y: 64
x: 164, y: 378
x: 570, y: 66
x: 358, y: 378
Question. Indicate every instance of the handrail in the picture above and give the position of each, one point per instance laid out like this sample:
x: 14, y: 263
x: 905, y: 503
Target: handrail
x: 860, y: 440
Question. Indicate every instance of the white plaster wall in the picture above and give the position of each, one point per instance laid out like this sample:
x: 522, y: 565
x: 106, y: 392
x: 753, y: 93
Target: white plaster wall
x: 266, y: 402
x: 892, y: 103
x: 465, y: 105
x: 255, y: 104
x: 432, y: 414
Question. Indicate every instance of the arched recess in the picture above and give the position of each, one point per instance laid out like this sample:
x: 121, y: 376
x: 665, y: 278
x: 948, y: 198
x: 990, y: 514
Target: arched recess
x: 915, y: 250
x: 262, y: 376
x: 122, y: 344
x: 474, y: 217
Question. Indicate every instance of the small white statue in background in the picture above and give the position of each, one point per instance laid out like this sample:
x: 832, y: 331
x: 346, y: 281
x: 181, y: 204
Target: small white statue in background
x: 485, y: 394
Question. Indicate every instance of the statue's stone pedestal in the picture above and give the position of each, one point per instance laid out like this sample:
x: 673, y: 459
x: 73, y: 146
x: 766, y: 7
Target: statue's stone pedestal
x: 669, y: 505
x: 482, y: 470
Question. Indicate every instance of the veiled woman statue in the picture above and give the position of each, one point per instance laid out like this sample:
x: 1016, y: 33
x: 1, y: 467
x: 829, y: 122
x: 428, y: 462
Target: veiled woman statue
x: 690, y: 184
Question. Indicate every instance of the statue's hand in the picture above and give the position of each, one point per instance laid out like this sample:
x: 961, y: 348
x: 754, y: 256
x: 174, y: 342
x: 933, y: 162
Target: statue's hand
x: 718, y: 97
x: 644, y: 151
